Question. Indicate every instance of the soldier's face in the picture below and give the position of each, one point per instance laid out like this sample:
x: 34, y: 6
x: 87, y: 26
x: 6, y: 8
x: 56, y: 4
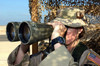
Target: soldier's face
x: 71, y: 35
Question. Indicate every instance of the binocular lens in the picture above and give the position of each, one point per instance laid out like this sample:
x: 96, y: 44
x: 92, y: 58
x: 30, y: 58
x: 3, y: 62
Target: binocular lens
x: 24, y: 33
x: 10, y: 32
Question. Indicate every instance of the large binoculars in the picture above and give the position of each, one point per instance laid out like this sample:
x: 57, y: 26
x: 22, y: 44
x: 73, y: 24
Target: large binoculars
x: 28, y: 32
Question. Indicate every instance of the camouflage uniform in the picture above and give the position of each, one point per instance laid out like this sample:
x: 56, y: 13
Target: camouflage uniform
x: 28, y: 60
x: 53, y: 59
x: 72, y: 17
x: 59, y: 57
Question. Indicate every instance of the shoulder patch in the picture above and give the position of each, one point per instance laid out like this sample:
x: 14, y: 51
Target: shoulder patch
x: 94, y: 58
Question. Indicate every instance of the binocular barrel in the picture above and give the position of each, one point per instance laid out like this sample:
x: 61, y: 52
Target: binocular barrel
x: 12, y: 31
x: 31, y: 32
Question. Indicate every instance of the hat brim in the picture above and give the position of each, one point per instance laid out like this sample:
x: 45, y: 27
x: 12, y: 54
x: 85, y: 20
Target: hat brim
x: 71, y: 22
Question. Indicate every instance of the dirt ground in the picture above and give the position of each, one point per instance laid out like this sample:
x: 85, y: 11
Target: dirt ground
x: 5, y: 49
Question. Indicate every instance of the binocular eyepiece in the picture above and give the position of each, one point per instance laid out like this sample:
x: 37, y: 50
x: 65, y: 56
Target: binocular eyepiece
x: 28, y: 32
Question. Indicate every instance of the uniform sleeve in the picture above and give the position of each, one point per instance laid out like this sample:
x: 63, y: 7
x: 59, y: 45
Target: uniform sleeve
x: 35, y: 59
x: 59, y: 57
x: 84, y: 58
x: 12, y: 58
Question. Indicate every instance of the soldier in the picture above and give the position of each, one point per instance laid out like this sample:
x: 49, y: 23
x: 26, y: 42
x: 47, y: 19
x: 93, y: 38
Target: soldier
x: 68, y: 29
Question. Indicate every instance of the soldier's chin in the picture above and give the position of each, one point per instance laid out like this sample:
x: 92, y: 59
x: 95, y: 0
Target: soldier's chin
x: 68, y: 43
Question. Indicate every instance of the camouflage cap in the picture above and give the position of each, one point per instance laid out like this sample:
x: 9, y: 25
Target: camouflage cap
x: 71, y: 16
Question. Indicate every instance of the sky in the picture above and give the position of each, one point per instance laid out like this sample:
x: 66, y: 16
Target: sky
x: 14, y: 10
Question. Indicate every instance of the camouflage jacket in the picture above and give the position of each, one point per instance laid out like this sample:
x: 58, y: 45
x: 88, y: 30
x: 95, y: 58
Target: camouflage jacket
x: 59, y: 57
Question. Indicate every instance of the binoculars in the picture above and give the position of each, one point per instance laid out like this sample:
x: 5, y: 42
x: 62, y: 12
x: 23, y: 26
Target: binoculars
x: 28, y: 32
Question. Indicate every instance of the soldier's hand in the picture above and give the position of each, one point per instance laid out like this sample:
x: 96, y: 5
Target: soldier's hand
x: 59, y: 29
